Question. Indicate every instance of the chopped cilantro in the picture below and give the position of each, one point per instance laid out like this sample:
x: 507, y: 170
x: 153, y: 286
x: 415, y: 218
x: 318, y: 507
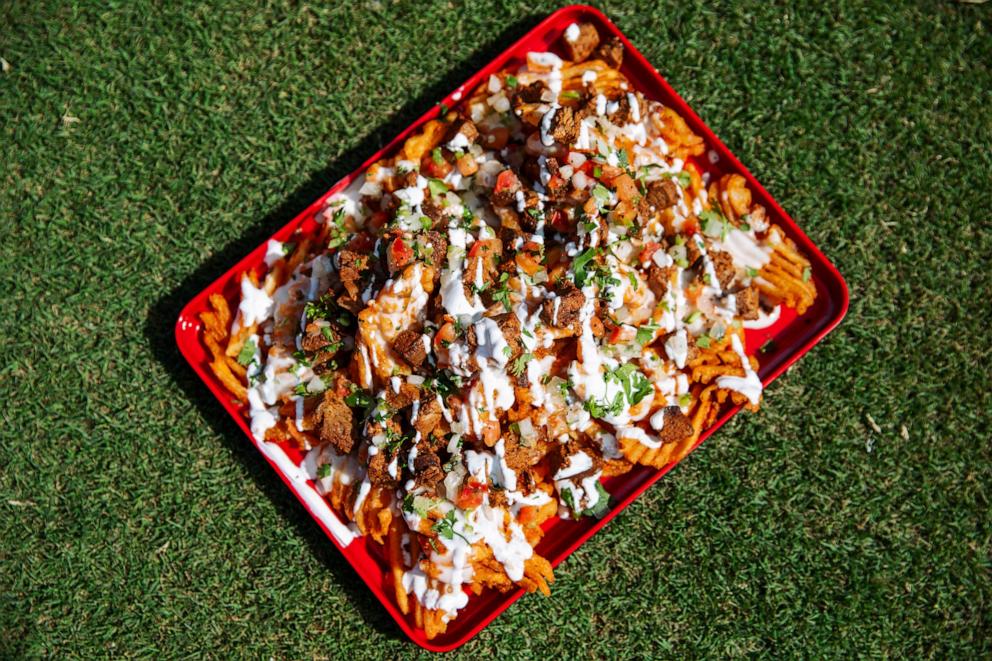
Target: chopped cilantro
x: 436, y: 156
x: 571, y: 94
x: 445, y: 527
x: 602, y: 194
x: 622, y: 158
x: 600, y: 409
x: 645, y: 333
x: 301, y: 390
x: 247, y: 354
x: 301, y: 358
x: 520, y: 364
x: 338, y: 234
x: 751, y: 272
x: 436, y: 186
x: 692, y: 316
x: 502, y: 294
x: 806, y: 274
x: 633, y: 280
x: 324, y: 470
x: 703, y: 341
x: 579, y: 266
x: 511, y: 81
x: 685, y: 399
x: 443, y: 109
x: 288, y: 247
x: 358, y: 399
x: 635, y: 385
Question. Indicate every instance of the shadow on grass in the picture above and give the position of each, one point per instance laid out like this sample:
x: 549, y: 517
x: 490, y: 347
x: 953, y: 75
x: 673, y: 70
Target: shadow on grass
x: 162, y: 317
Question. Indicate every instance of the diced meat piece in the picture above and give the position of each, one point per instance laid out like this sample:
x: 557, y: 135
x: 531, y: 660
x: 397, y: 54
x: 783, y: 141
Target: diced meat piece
x: 692, y: 253
x: 427, y: 470
x: 747, y: 303
x: 660, y: 279
x: 611, y: 52
x: 580, y: 45
x: 564, y: 126
x: 321, y: 341
x: 433, y: 210
x: 620, y: 115
x: 509, y: 325
x: 464, y: 128
x: 351, y: 265
x: 378, y: 471
x: 433, y: 250
x: 678, y: 426
x: 321, y: 336
x: 661, y: 194
x: 528, y: 93
x: 336, y: 422
x: 563, y: 310
x: 497, y: 497
x: 410, y: 345
x: 429, y: 416
x: 407, y: 395
x: 723, y: 264
x: 520, y: 457
x: 532, y: 214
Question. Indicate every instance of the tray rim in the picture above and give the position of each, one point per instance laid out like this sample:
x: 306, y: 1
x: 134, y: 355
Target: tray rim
x: 827, y: 272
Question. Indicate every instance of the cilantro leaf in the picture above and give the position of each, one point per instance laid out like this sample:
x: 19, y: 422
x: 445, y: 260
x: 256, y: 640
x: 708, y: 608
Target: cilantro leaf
x: 247, y: 354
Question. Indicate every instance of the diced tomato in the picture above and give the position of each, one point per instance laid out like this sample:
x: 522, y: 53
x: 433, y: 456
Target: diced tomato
x: 472, y: 494
x: 432, y: 168
x: 615, y: 335
x: 400, y: 253
x: 648, y: 251
x: 506, y: 180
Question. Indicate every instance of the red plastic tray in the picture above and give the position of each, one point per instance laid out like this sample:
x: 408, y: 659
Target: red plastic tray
x: 793, y: 336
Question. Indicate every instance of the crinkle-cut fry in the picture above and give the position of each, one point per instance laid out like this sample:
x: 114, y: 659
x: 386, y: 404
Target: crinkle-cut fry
x: 682, y: 142
x: 223, y: 373
x: 427, y: 139
x: 301, y: 252
x: 706, y: 373
x: 394, y: 554
x: 374, y: 517
x: 221, y: 309
x: 638, y: 453
x: 302, y: 439
x: 537, y: 574
x: 434, y: 624
x: 615, y: 467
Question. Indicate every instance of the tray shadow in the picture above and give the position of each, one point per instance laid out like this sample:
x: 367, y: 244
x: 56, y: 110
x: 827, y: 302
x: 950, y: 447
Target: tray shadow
x: 161, y: 318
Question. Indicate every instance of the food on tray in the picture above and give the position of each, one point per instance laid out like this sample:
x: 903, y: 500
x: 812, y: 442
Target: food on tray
x: 541, y: 289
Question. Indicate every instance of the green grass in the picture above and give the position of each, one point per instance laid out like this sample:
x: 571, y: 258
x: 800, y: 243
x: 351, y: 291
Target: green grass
x: 146, y: 146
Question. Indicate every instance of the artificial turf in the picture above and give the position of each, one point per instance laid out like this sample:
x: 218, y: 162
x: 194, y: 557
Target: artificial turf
x: 146, y: 146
